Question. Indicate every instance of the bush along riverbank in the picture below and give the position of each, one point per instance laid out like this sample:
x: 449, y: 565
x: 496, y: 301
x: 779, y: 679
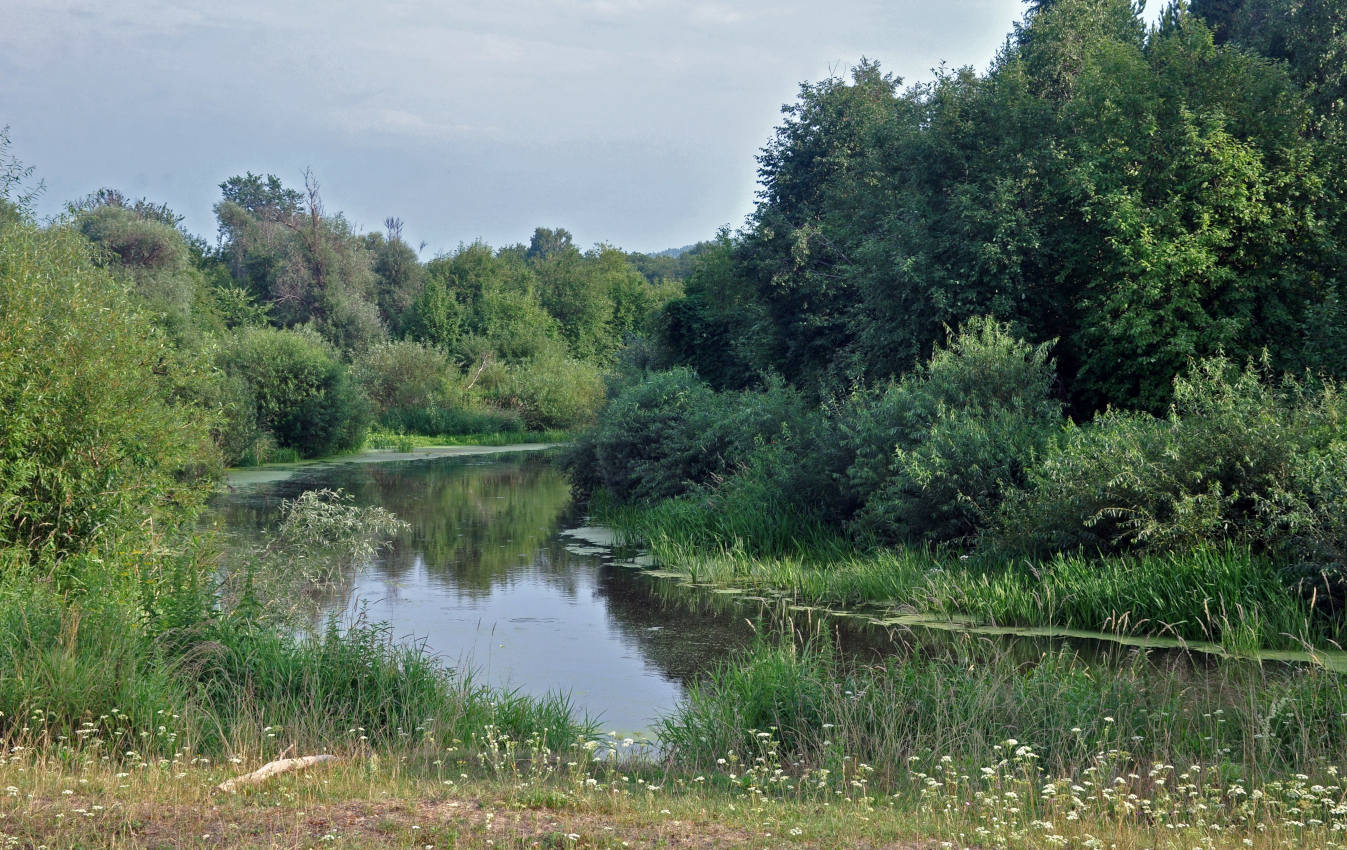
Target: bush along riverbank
x: 964, y: 490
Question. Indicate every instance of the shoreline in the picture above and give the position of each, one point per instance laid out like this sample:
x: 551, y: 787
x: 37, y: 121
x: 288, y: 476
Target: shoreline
x: 251, y: 476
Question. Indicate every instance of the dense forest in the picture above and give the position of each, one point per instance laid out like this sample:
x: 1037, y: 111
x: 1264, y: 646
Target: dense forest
x: 312, y: 332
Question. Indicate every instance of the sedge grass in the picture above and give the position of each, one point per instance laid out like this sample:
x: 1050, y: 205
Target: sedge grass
x: 1225, y: 595
x: 961, y: 699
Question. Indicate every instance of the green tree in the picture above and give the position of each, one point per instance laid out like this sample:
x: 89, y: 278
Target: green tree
x: 297, y: 389
x: 400, y: 275
x: 99, y: 443
x: 306, y: 266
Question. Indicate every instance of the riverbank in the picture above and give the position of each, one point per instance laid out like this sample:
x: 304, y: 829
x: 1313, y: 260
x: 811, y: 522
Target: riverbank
x: 428, y: 800
x: 244, y: 476
x: 1223, y: 596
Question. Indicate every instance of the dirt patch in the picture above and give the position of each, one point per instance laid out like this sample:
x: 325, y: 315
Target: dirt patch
x: 446, y: 822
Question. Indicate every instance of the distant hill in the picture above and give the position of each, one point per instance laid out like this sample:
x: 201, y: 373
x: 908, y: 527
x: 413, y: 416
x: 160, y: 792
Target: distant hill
x: 676, y: 252
x: 669, y: 264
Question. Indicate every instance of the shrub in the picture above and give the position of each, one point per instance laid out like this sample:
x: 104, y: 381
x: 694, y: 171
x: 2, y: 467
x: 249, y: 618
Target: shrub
x: 300, y: 391
x: 97, y: 440
x: 649, y: 442
x: 452, y: 421
x: 671, y: 433
x: 553, y: 391
x: 935, y: 453
x: 407, y: 374
x: 1240, y: 457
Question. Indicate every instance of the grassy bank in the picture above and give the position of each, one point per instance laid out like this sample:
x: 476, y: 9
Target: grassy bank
x: 1225, y: 595
x: 816, y: 709
x: 382, y: 439
x: 869, y: 756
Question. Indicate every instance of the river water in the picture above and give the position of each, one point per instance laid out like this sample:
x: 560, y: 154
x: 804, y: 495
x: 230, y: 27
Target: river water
x: 489, y: 578
x: 498, y: 573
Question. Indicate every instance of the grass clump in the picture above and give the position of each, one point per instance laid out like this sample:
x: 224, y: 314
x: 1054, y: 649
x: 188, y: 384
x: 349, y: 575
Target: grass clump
x: 405, y: 442
x: 963, y: 700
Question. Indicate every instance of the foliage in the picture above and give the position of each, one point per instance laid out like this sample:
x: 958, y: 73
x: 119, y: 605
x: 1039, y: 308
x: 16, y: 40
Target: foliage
x: 158, y: 259
x: 306, y: 266
x: 1144, y: 198
x: 300, y: 392
x: 17, y: 194
x: 436, y: 421
x: 400, y: 275
x: 406, y: 375
x: 670, y: 433
x: 98, y: 442
x: 936, y: 452
x: 1240, y: 457
x: 711, y: 328
x: 553, y: 391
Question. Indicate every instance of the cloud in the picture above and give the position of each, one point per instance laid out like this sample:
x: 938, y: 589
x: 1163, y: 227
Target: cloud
x: 715, y: 14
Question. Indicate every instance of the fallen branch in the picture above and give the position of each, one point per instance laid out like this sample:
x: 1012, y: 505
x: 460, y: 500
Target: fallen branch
x: 270, y: 769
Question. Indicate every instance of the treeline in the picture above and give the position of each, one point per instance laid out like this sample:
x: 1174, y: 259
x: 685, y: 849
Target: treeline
x: 315, y: 331
x: 1087, y: 301
x: 126, y: 351
x: 1141, y: 197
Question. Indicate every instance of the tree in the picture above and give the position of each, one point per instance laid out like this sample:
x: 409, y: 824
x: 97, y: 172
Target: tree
x: 306, y: 266
x: 399, y: 274
x: 100, y: 442
x: 1145, y: 198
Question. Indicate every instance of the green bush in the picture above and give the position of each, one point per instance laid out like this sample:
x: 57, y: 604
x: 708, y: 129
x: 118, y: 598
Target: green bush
x: 653, y: 440
x: 407, y: 375
x: 935, y: 453
x: 97, y: 441
x: 1241, y: 457
x: 670, y: 433
x: 455, y: 421
x: 553, y: 390
x: 301, y: 393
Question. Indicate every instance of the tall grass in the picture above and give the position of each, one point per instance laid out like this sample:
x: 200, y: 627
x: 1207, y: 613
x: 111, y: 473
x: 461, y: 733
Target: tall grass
x: 1227, y: 594
x: 232, y: 684
x: 964, y: 702
x: 392, y: 439
x: 152, y: 651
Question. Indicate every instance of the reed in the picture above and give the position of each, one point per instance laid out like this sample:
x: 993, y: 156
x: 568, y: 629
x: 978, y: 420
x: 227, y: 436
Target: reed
x: 1221, y: 594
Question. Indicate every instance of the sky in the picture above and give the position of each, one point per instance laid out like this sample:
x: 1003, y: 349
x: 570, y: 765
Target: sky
x: 629, y: 122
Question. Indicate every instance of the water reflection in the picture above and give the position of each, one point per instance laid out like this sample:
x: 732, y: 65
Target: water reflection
x: 487, y: 579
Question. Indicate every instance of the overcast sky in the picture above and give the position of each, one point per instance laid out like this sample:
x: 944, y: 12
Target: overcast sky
x: 632, y: 122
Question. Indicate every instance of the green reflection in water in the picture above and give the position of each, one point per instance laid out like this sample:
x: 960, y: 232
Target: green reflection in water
x: 473, y: 523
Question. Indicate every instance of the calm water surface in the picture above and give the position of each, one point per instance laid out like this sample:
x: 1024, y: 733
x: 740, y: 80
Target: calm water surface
x: 489, y: 579
x: 498, y: 574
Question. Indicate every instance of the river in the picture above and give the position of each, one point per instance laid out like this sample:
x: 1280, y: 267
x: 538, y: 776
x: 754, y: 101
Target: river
x: 490, y: 579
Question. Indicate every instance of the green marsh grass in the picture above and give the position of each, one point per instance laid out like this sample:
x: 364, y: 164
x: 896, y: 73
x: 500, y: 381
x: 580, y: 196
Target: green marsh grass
x: 961, y: 699
x: 388, y: 439
x: 1225, y: 595
x: 126, y: 640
